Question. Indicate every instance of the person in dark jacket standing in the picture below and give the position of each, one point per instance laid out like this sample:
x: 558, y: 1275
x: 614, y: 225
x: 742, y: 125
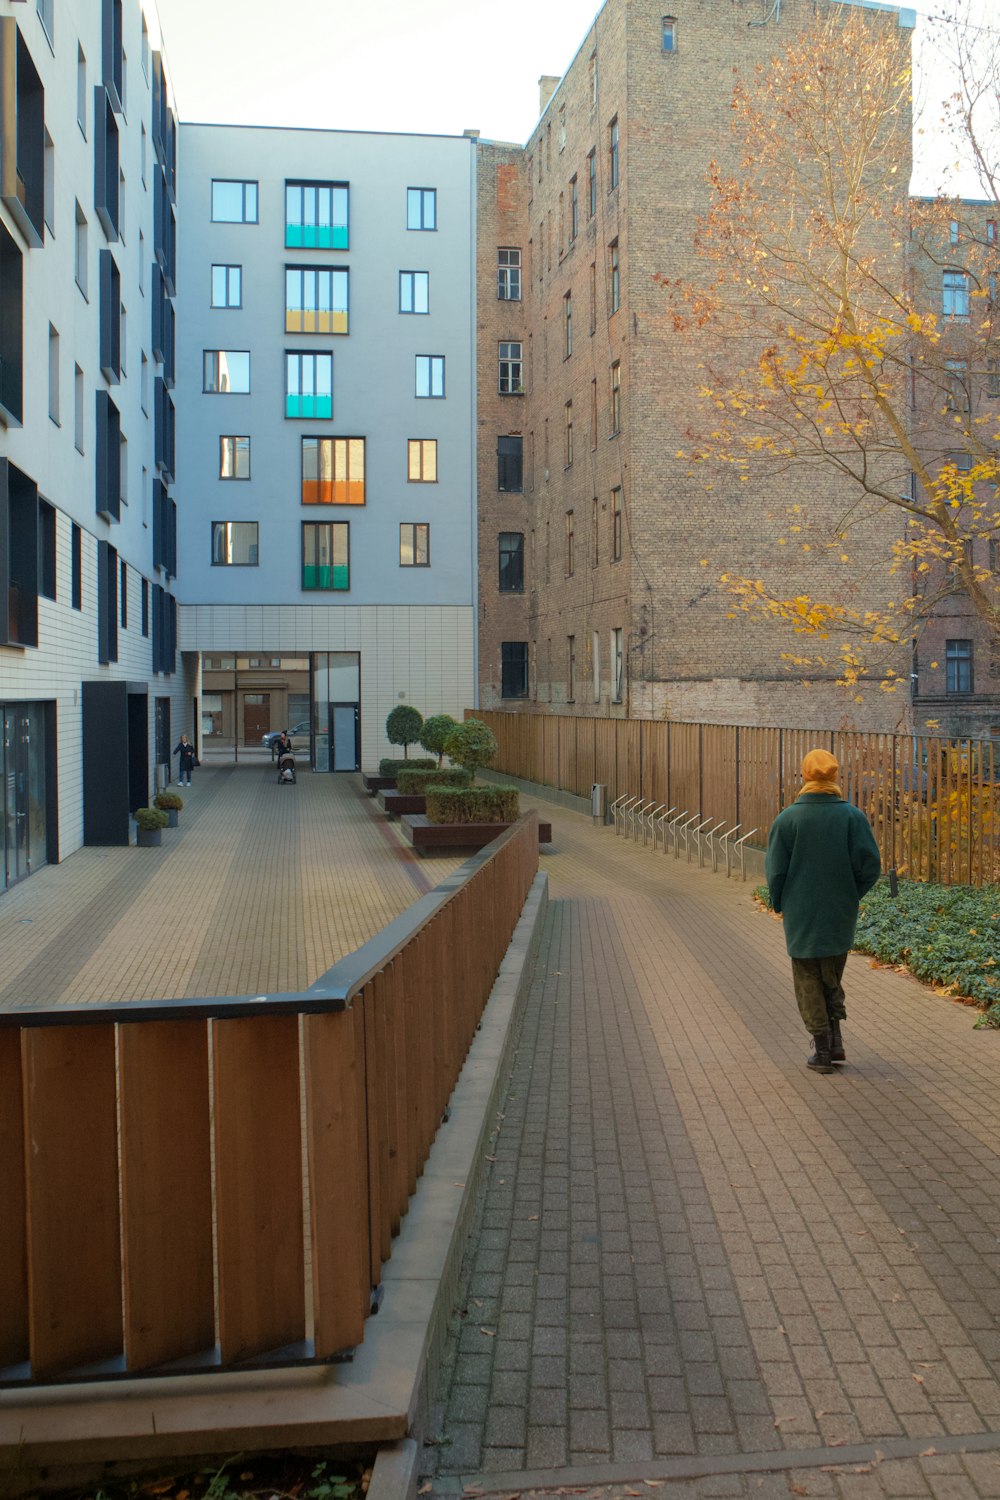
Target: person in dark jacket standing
x: 185, y: 750
x: 822, y: 858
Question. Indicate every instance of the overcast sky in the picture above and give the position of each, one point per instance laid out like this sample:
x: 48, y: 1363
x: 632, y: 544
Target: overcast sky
x: 437, y: 66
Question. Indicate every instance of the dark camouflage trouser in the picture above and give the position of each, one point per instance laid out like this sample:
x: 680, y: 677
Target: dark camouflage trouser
x: 818, y: 990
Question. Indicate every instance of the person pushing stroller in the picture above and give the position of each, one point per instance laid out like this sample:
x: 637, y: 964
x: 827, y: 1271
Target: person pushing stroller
x: 285, y: 757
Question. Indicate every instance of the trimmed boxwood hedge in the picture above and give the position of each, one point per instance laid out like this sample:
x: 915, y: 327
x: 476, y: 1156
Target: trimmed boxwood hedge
x: 474, y: 804
x: 415, y: 783
x: 389, y: 767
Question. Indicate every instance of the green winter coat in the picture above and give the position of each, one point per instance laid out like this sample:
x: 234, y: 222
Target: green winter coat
x: 821, y: 859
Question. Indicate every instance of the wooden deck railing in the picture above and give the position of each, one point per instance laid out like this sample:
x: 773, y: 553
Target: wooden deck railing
x: 933, y: 802
x: 198, y: 1184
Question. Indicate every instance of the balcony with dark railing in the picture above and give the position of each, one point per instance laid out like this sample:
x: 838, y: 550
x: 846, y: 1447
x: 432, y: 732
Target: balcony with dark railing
x: 22, y: 123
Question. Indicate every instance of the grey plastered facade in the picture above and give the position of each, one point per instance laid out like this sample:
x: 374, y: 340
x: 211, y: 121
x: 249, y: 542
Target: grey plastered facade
x: 411, y: 625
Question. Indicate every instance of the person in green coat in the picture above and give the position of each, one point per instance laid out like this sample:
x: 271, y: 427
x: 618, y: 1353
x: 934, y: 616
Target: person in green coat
x: 822, y: 858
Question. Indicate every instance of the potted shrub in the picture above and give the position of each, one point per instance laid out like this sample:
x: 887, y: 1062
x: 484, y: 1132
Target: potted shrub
x: 150, y: 823
x: 434, y: 734
x: 403, y: 726
x: 474, y: 804
x: 391, y: 768
x: 171, y: 804
x: 471, y: 745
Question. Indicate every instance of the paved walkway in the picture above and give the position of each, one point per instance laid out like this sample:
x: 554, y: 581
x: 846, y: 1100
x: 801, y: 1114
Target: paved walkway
x: 261, y: 887
x: 691, y: 1250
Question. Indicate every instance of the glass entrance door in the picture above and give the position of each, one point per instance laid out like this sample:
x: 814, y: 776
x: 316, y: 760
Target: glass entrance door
x: 23, y: 790
x: 336, y: 710
x: 345, y: 726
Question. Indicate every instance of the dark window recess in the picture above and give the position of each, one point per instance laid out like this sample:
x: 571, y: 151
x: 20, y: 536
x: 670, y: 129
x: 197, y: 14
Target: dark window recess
x: 144, y: 594
x: 169, y: 341
x: 22, y: 130
x: 163, y: 429
x: 159, y: 500
x: 164, y: 229
x: 76, y: 566
x: 106, y: 169
x: 171, y: 538
x: 111, y: 318
x: 123, y: 595
x: 11, y: 329
x: 164, y: 642
x: 158, y: 300
x: 164, y: 126
x: 511, y: 550
x: 513, y: 669
x: 112, y: 52
x: 18, y: 557
x: 109, y: 458
x: 107, y: 603
x: 510, y: 465
x: 46, y: 549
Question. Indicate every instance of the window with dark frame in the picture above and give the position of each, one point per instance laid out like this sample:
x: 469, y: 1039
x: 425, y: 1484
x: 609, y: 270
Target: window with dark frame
x: 616, y: 524
x: 591, y: 184
x: 668, y: 34
x: 317, y: 215
x: 46, y: 549
x: 123, y: 594
x: 617, y: 664
x: 574, y: 208
x: 511, y: 562
x: 511, y: 369
x: 309, y: 384
x: 414, y: 291
x: 570, y: 546
x: 615, y: 276
x: 326, y: 556
x: 568, y: 325
x: 144, y: 605
x: 227, y: 286
x: 226, y: 372
x: 957, y: 394
x: 234, y: 457
x: 613, y: 153
x: 421, y: 208
x: 569, y: 433
x: 414, y: 544
x: 333, y: 471
x: 421, y: 460
x: 76, y: 566
x: 513, y: 669
x: 235, y: 544
x: 993, y: 378
x: 571, y: 669
x: 955, y: 294
x: 429, y: 375
x: 510, y: 465
x: 233, y: 202
x: 958, y: 666
x: 317, y: 299
x: 616, y: 397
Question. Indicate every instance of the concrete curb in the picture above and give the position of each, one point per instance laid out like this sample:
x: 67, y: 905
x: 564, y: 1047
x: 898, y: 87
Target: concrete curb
x: 394, y: 1475
x: 383, y: 1394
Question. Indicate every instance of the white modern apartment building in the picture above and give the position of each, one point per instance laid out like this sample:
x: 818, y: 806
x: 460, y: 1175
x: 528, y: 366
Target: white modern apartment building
x: 326, y: 397
x: 92, y: 691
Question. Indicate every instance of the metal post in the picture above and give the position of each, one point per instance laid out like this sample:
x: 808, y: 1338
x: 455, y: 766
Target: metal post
x: 739, y: 845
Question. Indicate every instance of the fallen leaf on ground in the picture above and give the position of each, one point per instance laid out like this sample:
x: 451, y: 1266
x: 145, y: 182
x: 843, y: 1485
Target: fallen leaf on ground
x: 490, y: 1333
x: 796, y: 1489
x: 919, y: 1379
x: 928, y: 1453
x: 425, y: 1489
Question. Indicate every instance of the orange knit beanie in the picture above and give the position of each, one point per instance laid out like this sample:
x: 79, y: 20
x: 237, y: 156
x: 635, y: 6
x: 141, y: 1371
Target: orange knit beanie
x: 820, y: 765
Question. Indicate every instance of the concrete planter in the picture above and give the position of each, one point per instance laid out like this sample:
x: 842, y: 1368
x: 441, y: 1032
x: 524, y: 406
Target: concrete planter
x: 148, y: 838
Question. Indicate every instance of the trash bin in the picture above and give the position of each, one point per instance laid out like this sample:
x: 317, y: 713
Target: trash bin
x: 598, y: 802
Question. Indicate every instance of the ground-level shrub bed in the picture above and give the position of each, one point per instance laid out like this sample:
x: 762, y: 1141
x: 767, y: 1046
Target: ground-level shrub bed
x: 475, y: 804
x: 416, y: 783
x: 263, y: 1476
x: 945, y: 935
x: 389, y: 767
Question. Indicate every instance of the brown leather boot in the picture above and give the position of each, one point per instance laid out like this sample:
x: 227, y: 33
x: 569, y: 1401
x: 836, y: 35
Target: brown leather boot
x: 820, y: 1060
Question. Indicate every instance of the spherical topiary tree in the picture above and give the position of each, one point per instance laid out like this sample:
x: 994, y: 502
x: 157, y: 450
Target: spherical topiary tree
x: 471, y: 745
x: 403, y: 727
x: 435, y: 732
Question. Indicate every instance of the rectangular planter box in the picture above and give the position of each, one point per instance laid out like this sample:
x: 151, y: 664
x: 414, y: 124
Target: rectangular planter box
x: 394, y: 804
x: 424, y: 835
x: 373, y: 784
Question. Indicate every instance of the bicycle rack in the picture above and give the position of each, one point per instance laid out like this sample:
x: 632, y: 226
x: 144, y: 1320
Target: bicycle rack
x: 723, y: 847
x: 696, y: 834
x: 639, y: 819
x: 615, y: 806
x: 649, y: 824
x: 684, y: 829
x: 674, y: 830
x: 621, y: 812
x: 739, y: 846
x: 709, y: 840
x: 663, y: 832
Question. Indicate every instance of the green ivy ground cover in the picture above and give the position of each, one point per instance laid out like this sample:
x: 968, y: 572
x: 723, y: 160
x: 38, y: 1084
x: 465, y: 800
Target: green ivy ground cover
x: 946, y: 935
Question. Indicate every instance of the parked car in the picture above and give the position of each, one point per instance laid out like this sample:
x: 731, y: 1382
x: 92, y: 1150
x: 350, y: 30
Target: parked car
x: 298, y: 734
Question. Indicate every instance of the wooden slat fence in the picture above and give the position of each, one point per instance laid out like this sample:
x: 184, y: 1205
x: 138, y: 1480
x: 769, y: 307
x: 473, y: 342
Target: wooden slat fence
x: 292, y: 1129
x: 934, y: 803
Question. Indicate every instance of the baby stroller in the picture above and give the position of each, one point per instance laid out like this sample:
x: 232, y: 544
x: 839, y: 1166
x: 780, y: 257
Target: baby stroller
x: 286, y: 768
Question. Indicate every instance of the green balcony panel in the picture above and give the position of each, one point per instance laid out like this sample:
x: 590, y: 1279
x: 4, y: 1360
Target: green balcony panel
x: 325, y: 577
x: 316, y: 236
x: 309, y: 406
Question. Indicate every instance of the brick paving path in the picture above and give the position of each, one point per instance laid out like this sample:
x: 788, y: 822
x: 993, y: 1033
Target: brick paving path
x: 691, y: 1246
x: 261, y: 888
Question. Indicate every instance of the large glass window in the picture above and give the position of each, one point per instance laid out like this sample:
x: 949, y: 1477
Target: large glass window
x: 414, y: 544
x: 422, y: 460
x: 235, y: 544
x: 316, y: 215
x: 511, y: 550
x: 955, y: 294
x: 227, y: 286
x: 513, y: 669
x: 414, y: 291
x: 430, y: 375
x: 234, y: 202
x: 316, y: 299
x: 309, y: 385
x: 226, y: 372
x: 508, y: 274
x: 510, y: 465
x: 326, y: 555
x: 511, y: 370
x: 333, y: 471
x: 421, y: 208
x: 234, y: 458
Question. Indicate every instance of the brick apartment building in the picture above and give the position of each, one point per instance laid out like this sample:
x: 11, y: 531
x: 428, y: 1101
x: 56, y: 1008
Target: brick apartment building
x: 598, y: 551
